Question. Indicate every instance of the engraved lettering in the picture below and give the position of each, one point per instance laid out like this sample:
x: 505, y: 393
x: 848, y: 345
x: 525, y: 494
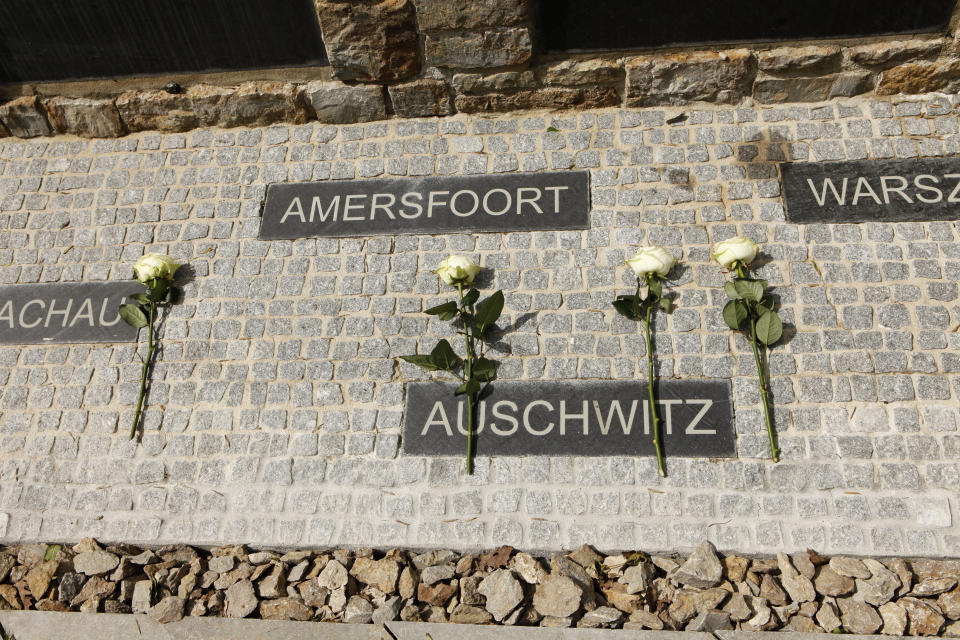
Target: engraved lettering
x: 497, y: 413
x: 626, y: 424
x: 85, y: 311
x: 295, y: 209
x: 821, y: 197
x: 925, y: 187
x: 435, y: 419
x: 583, y: 416
x: 526, y: 418
x: 23, y: 310
x: 316, y: 207
x: 473, y: 208
x: 887, y: 190
x: 691, y: 428
x: 386, y: 207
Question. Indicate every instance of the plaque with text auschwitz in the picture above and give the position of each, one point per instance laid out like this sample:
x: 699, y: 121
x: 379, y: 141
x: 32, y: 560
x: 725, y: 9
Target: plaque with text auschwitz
x: 589, y: 418
x: 444, y: 204
x: 872, y: 190
x: 66, y: 312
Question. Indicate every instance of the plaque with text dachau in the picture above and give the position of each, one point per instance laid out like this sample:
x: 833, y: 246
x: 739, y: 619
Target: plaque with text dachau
x: 587, y: 418
x: 67, y: 312
x: 872, y: 190
x: 450, y: 204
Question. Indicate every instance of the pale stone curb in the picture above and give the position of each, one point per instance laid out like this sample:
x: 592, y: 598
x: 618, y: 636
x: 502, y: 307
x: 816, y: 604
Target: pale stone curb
x: 792, y: 635
x: 51, y: 625
x: 440, y: 631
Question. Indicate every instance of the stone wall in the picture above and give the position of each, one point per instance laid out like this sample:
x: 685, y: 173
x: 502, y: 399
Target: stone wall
x: 276, y: 410
x: 417, y: 58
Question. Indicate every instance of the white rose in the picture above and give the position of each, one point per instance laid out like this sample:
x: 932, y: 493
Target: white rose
x: 457, y: 270
x: 155, y: 266
x: 651, y: 260
x: 734, y: 250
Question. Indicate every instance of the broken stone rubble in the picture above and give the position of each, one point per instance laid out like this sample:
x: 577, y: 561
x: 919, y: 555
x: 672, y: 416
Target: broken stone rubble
x: 584, y: 588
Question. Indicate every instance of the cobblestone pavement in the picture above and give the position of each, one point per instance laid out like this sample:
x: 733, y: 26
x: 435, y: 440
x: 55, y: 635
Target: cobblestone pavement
x: 276, y: 410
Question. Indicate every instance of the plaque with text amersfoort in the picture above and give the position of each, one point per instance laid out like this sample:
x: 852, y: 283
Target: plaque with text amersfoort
x: 69, y: 312
x: 448, y: 204
x: 595, y: 418
x: 872, y: 190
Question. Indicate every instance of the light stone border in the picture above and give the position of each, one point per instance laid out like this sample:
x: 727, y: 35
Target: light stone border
x: 51, y: 625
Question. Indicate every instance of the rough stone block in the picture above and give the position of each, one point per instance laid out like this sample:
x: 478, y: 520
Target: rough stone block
x: 370, y: 40
x: 895, y: 52
x: 494, y: 48
x: 582, y: 72
x: 84, y: 117
x: 812, y: 89
x: 162, y: 111
x: 420, y: 98
x: 262, y: 103
x: 443, y: 15
x: 679, y: 78
x: 851, y: 84
x: 3, y: 131
x: 799, y: 59
x: 477, y: 84
x: 25, y: 117
x: 338, y: 103
x: 920, y: 77
x: 549, y: 98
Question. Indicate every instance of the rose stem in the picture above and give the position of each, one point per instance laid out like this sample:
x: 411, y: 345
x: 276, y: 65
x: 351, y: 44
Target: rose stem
x: 774, y: 450
x: 761, y: 378
x: 653, y: 402
x: 143, y: 372
x: 468, y: 370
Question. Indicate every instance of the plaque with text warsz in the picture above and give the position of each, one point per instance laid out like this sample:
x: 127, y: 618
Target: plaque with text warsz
x: 589, y: 418
x: 872, y: 190
x: 67, y: 312
x: 449, y: 204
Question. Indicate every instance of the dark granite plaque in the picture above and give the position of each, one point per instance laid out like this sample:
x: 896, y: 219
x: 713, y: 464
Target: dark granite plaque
x: 69, y: 312
x: 587, y: 418
x: 872, y: 190
x: 452, y: 204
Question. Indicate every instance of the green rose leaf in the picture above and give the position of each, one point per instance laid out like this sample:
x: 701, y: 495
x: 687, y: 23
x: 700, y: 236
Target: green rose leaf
x: 489, y: 311
x: 484, y: 370
x: 734, y: 313
x: 469, y: 387
x: 766, y: 303
x: 443, y: 356
x: 133, y: 315
x: 142, y: 299
x: 732, y: 292
x: 445, y: 311
x: 157, y: 290
x: 666, y: 304
x: 654, y: 286
x: 769, y: 328
x: 422, y: 361
x: 628, y: 306
x: 472, y: 296
x: 749, y: 289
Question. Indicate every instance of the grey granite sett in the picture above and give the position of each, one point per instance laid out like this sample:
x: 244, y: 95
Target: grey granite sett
x: 275, y: 415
